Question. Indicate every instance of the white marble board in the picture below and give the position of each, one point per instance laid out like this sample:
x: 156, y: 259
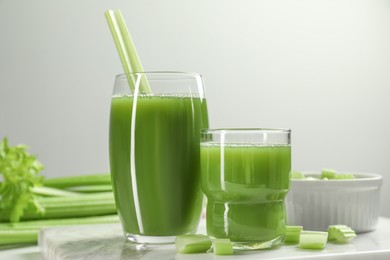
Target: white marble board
x: 107, y: 242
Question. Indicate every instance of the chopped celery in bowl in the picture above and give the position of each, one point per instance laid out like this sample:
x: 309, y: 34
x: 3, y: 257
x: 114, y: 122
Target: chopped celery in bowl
x: 317, y: 200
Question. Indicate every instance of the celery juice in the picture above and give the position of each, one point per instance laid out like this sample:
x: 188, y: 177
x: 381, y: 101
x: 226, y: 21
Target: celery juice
x: 245, y: 185
x: 155, y: 162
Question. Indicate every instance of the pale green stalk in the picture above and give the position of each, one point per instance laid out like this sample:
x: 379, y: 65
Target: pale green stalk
x: 80, y: 180
x: 135, y: 62
x: 38, y: 224
x: 27, y: 231
x: 90, y: 188
x: 126, y: 49
x: 120, y: 46
x: 52, y: 192
x: 8, y: 237
x: 91, y: 204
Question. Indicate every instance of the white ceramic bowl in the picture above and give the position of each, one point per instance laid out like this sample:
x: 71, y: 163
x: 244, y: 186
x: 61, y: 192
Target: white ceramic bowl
x: 316, y: 204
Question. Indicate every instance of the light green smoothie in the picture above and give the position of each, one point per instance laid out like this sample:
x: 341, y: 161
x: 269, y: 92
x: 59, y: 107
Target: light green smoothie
x: 245, y: 185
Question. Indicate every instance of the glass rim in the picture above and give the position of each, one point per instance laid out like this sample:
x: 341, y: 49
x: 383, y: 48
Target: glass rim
x: 245, y: 130
x: 162, y: 72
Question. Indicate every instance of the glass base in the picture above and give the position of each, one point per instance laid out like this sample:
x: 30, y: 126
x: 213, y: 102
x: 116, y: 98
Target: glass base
x: 253, y: 245
x: 153, y: 240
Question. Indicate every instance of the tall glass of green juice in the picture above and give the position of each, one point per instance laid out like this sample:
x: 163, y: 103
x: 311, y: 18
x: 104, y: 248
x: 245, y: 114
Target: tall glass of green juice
x: 245, y: 176
x: 155, y: 153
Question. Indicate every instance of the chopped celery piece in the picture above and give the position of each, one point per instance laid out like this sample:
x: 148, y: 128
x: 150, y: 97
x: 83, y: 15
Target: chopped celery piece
x: 311, y: 178
x: 192, y: 243
x: 344, y: 176
x: 292, y: 234
x: 340, y: 233
x: 328, y: 174
x: 313, y: 239
x: 297, y: 175
x: 222, y: 246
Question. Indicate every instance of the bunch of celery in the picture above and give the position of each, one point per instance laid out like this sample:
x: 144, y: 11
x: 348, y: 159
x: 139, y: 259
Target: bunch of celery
x: 29, y: 202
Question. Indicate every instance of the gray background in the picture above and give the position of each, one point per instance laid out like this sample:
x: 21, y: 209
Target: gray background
x: 319, y: 67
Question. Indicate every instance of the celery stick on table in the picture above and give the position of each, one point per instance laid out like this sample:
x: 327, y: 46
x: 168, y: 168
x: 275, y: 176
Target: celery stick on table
x: 192, y: 243
x: 26, y: 195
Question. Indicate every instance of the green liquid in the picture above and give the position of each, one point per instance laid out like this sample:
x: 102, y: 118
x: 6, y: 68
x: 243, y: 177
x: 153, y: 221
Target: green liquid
x: 164, y: 198
x: 245, y: 191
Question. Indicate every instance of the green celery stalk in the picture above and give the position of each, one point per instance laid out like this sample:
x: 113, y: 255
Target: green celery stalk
x: 23, y: 190
x: 119, y: 43
x: 76, y: 211
x: 90, y: 188
x: 82, y: 197
x: 135, y: 62
x: 18, y: 236
x: 92, y: 204
x: 52, y: 192
x: 126, y: 49
x: 81, y: 180
x: 27, y: 231
x: 38, y: 224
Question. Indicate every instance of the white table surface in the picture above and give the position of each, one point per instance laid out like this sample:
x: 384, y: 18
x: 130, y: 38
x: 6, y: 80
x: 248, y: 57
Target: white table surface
x: 106, y: 242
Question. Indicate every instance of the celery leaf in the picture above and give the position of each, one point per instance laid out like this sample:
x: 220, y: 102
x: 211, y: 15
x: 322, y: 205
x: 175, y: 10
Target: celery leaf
x: 20, y: 172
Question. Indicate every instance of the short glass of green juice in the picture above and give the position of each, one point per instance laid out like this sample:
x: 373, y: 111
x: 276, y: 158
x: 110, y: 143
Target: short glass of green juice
x: 154, y: 143
x: 245, y: 177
